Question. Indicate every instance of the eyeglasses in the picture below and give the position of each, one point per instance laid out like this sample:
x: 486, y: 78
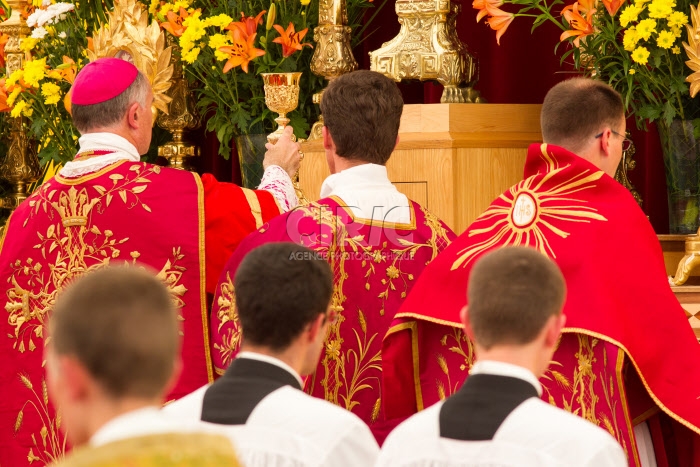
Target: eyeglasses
x: 626, y: 142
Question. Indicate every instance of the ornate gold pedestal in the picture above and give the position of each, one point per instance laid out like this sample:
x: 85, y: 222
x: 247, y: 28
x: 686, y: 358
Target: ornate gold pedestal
x: 427, y: 48
x: 20, y: 165
x: 182, y: 115
x: 333, y: 54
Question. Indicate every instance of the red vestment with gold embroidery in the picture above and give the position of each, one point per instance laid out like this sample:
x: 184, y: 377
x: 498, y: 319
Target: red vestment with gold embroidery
x: 374, y: 265
x: 621, y: 312
x: 125, y: 213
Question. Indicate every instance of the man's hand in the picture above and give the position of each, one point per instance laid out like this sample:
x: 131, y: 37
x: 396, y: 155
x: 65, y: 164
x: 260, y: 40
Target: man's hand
x: 286, y: 153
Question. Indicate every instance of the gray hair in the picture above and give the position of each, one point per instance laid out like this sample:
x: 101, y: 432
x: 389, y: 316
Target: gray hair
x: 105, y: 114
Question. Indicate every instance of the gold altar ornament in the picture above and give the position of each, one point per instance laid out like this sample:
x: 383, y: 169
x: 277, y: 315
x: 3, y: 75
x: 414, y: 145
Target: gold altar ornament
x: 689, y: 262
x: 428, y: 48
x: 333, y: 54
x: 182, y: 115
x: 282, y: 96
x: 628, y: 163
x: 20, y: 166
x: 128, y: 36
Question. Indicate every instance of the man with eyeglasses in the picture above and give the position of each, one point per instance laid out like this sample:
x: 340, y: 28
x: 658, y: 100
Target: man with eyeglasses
x: 283, y: 294
x: 627, y: 360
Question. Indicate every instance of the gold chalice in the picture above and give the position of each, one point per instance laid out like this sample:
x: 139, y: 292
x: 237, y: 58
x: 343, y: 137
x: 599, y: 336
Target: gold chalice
x: 281, y: 96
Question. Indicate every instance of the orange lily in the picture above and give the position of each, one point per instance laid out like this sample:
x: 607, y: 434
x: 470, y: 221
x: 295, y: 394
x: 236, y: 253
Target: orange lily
x: 3, y: 97
x: 66, y: 71
x: 3, y: 41
x: 481, y: 6
x: 290, y: 40
x: 241, y: 52
x: 613, y: 5
x: 581, y: 27
x: 248, y: 25
x: 499, y: 21
x: 584, y: 6
x: 174, y: 24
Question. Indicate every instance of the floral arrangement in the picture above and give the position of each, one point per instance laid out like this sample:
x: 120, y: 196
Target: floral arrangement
x: 636, y: 47
x: 224, y: 47
x: 57, y: 44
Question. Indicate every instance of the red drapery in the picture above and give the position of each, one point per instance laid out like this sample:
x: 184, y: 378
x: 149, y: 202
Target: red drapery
x: 519, y: 71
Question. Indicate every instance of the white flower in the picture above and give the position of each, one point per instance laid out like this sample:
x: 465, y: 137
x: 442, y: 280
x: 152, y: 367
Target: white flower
x: 31, y: 20
x: 39, y: 33
x: 46, y: 3
x: 62, y: 34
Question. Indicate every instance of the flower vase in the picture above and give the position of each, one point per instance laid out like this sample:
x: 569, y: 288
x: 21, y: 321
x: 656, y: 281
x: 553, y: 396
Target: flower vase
x: 251, y: 152
x: 682, y: 161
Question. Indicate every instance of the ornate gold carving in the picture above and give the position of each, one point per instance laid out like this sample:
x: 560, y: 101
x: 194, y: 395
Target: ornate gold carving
x: 626, y: 164
x: 182, y: 115
x: 689, y: 261
x: 20, y: 166
x: 129, y: 36
x: 427, y: 48
x: 333, y: 54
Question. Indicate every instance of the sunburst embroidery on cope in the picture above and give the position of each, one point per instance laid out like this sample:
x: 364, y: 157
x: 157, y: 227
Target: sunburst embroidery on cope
x: 528, y: 213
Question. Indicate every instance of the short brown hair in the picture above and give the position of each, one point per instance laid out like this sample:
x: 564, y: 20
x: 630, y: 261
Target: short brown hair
x: 280, y: 289
x: 121, y: 324
x: 105, y: 114
x: 512, y: 293
x: 575, y: 110
x: 362, y: 111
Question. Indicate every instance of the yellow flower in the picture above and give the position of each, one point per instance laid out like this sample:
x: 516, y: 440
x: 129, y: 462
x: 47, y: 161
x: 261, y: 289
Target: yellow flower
x: 34, y: 71
x: 677, y: 18
x: 51, y: 93
x: 216, y: 41
x: 665, y: 39
x: 14, y: 78
x: 153, y: 6
x: 660, y: 9
x: 13, y: 96
x: 221, y: 21
x: 28, y: 43
x: 676, y: 50
x: 640, y: 55
x: 632, y: 71
x: 630, y: 39
x: 191, y: 55
x: 677, y: 31
x: 646, y: 28
x: 629, y: 15
x: 305, y: 2
x: 37, y: 3
x: 20, y: 108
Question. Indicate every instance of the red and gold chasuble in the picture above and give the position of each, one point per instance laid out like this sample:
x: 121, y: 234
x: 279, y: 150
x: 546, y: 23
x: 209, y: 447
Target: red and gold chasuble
x: 126, y: 213
x: 374, y: 264
x: 620, y: 309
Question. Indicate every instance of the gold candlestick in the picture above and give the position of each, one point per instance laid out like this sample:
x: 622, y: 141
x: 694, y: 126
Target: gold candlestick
x: 282, y: 96
x: 20, y: 166
x: 182, y: 115
x: 333, y: 54
x: 427, y: 48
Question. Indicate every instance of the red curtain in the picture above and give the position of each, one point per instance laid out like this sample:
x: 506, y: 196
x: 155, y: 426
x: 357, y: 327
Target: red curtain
x: 519, y: 71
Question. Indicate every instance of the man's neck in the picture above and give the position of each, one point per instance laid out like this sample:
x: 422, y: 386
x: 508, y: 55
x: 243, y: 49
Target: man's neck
x: 107, y: 410
x: 288, y: 356
x: 527, y: 358
x: 342, y: 163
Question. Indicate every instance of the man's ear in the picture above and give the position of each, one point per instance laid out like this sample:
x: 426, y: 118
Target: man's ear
x: 606, y: 142
x: 328, y: 143
x: 133, y: 116
x: 554, y: 328
x: 75, y: 379
x: 464, y: 316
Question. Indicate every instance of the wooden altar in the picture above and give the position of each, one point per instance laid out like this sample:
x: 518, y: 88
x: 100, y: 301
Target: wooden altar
x: 673, y: 247
x: 453, y: 159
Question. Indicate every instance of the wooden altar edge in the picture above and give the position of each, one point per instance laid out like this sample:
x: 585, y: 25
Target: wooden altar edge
x: 451, y: 140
